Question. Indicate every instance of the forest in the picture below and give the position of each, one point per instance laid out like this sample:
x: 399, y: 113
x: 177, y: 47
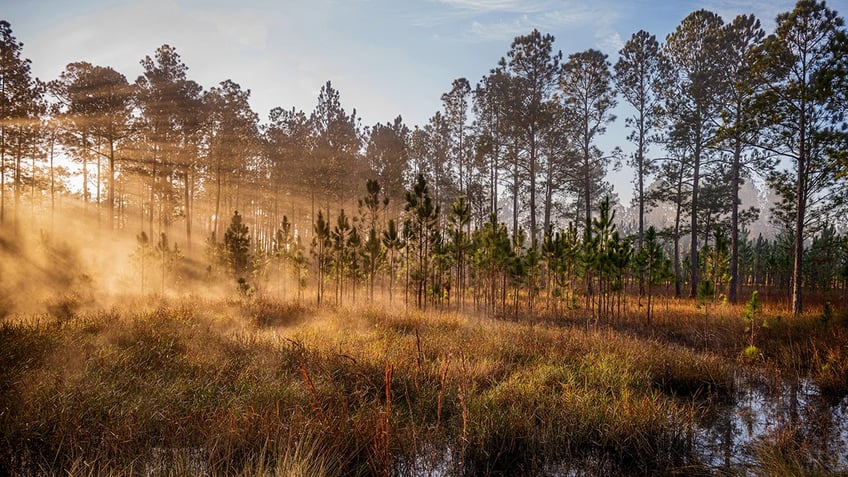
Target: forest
x: 325, y: 198
x: 331, y: 268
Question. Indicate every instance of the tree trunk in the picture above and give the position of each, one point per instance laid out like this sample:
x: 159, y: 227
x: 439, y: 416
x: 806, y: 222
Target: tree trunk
x: 801, y: 204
x: 549, y: 193
x: 32, y: 191
x: 640, y: 189
x: 693, y: 247
x: 84, y: 176
x: 532, y: 181
x: 141, y: 204
x: 732, y: 295
x: 493, y: 183
x: 152, y: 201
x: 640, y: 178
x: 111, y: 184
x: 2, y: 176
x: 677, y: 286
x: 189, y: 212
x: 391, y: 273
x: 97, y: 194
x: 587, y: 193
x: 17, y: 183
x: 515, y: 200
x: 218, y: 203
x: 52, y: 181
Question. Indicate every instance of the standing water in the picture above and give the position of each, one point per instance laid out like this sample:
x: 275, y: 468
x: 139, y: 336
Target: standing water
x: 773, y: 423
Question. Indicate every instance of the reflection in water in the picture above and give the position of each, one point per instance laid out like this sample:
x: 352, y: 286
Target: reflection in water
x: 775, y: 417
x: 766, y: 417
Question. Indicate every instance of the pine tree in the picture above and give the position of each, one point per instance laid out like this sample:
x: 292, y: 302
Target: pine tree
x: 388, y: 154
x: 98, y: 109
x: 517, y: 266
x: 142, y: 251
x: 237, y: 247
x: 691, y: 98
x: 353, y: 260
x: 458, y: 220
x: 20, y: 106
x: 281, y: 250
x: 588, y: 98
x: 600, y: 253
x: 534, y: 68
x: 717, y: 262
x: 321, y: 249
x: 336, y: 144
x: 638, y: 77
x: 168, y: 257
x: 373, y: 256
x: 299, y: 269
x: 166, y: 134
x: 798, y: 101
x: 740, y: 42
x: 650, y: 261
x: 752, y: 312
x: 341, y: 258
x: 393, y: 243
x: 621, y: 256
x: 422, y: 217
x: 372, y: 252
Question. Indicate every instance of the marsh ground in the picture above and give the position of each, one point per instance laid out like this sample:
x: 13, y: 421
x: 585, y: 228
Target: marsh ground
x: 253, y: 387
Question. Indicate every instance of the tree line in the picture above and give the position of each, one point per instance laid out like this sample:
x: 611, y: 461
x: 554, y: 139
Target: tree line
x: 513, y: 162
x: 412, y: 259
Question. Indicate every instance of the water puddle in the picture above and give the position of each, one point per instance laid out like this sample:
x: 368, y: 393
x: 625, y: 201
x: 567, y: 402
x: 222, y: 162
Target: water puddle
x: 769, y: 419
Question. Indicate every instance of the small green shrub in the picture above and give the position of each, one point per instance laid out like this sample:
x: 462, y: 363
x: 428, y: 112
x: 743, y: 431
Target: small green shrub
x: 752, y: 352
x: 752, y: 311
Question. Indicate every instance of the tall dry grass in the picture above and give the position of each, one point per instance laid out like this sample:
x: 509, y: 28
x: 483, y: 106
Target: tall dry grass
x: 263, y: 388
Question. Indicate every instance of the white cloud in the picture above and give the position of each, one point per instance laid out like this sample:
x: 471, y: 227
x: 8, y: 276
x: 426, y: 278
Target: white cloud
x: 607, y: 37
x: 497, y: 31
x: 505, y: 30
x: 487, y: 6
x: 610, y: 43
x: 507, y: 27
x: 444, y: 12
x: 558, y: 18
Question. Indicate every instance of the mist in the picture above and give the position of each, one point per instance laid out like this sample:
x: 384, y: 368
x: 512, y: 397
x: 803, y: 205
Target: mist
x: 73, y: 263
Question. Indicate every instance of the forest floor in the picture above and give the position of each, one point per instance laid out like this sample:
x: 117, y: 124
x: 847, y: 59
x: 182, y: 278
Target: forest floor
x: 251, y: 387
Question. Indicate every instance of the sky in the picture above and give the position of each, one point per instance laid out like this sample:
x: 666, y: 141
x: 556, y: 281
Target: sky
x: 385, y: 57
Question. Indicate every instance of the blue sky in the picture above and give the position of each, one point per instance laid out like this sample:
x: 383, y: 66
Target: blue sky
x: 386, y: 57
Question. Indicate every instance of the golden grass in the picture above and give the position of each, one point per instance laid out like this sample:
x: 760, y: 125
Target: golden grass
x: 248, y: 388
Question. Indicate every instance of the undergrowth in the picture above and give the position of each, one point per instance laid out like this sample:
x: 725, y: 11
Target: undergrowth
x: 250, y: 388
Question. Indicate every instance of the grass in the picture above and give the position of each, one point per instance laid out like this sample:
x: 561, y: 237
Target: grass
x: 264, y: 388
